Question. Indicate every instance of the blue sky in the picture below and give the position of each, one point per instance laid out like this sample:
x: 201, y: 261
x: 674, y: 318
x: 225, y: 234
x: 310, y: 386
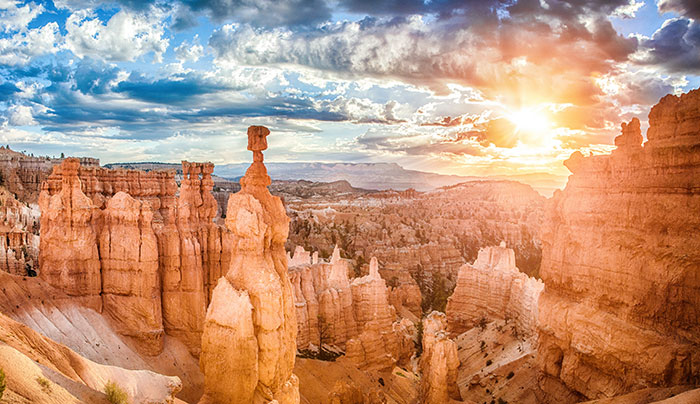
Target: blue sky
x: 463, y: 87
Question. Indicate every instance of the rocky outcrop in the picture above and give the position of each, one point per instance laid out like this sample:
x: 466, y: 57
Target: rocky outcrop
x: 19, y: 235
x: 249, y: 340
x: 23, y: 175
x: 493, y: 288
x: 439, y: 362
x: 324, y: 301
x: 382, y: 340
x: 131, y: 287
x: 621, y: 306
x: 69, y: 256
x: 93, y: 219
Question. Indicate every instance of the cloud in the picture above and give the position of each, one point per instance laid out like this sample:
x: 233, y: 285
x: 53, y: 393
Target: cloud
x: 125, y: 37
x: 675, y: 46
x: 189, y: 51
x: 13, y: 18
x: 688, y: 8
x: 21, y: 47
x: 264, y: 13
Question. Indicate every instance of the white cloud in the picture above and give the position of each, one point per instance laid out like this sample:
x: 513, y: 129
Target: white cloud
x: 13, y: 18
x: 189, y: 52
x: 20, y: 115
x: 22, y: 46
x: 125, y: 37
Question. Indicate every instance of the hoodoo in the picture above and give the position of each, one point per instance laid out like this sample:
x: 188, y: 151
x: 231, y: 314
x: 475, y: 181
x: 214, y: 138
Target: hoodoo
x: 249, y: 340
x: 619, y: 311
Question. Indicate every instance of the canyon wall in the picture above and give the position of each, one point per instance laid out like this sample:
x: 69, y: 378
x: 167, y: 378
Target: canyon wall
x: 493, y: 288
x: 249, y: 340
x: 126, y: 241
x: 354, y: 316
x: 422, y: 238
x: 621, y: 258
x: 19, y: 235
x: 439, y: 362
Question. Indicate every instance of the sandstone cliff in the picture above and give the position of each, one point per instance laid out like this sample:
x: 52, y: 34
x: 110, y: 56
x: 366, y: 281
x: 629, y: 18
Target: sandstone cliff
x: 93, y: 219
x: 493, y: 288
x: 439, y: 362
x: 621, y: 306
x: 249, y: 340
x: 19, y: 235
x: 323, y: 300
x: 383, y: 340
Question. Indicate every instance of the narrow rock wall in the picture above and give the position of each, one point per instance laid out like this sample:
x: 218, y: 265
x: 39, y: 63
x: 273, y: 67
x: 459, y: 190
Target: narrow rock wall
x: 493, y: 288
x: 249, y: 340
x: 125, y: 239
x: 621, y: 258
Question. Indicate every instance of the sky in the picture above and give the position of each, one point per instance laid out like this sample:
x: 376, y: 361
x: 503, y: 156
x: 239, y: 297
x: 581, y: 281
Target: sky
x: 471, y: 87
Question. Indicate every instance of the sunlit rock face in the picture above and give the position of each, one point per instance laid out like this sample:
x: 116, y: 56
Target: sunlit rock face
x: 19, y: 235
x: 249, y: 340
x: 382, y: 340
x: 323, y: 300
x: 493, y: 288
x: 621, y: 257
x: 354, y: 316
x: 125, y: 239
x: 439, y: 362
x: 69, y: 256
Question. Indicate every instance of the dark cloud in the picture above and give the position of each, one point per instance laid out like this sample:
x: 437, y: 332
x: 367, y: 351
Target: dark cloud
x: 264, y: 13
x: 176, y: 89
x: 676, y: 46
x: 688, y: 8
x: 7, y: 91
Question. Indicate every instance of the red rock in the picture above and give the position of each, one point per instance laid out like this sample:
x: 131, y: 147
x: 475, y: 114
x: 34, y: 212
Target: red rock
x: 621, y: 305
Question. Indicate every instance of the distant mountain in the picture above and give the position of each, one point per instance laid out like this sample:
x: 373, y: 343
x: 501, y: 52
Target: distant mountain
x: 376, y: 176
x: 368, y: 176
x: 382, y: 176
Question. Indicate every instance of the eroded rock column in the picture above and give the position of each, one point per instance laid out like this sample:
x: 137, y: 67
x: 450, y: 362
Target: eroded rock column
x: 249, y: 340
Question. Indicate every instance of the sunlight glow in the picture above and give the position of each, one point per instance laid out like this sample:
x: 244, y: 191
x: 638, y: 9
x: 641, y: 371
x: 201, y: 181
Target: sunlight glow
x: 530, y: 121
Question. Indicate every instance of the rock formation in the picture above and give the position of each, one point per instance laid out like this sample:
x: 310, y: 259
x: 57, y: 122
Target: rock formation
x: 249, y: 340
x: 92, y: 220
x: 69, y: 255
x: 382, y: 340
x: 19, y: 235
x: 23, y: 175
x: 621, y: 305
x: 323, y: 300
x: 131, y: 287
x: 439, y: 362
x: 493, y: 288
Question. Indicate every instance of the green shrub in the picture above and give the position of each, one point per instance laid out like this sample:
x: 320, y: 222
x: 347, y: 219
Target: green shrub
x: 115, y: 394
x: 2, y: 382
x: 44, y: 383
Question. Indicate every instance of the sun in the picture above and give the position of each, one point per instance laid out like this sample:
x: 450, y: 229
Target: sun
x: 531, y: 121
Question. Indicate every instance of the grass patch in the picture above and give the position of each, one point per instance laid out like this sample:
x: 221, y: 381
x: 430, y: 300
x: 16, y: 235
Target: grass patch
x: 115, y: 394
x: 44, y: 383
x: 2, y: 382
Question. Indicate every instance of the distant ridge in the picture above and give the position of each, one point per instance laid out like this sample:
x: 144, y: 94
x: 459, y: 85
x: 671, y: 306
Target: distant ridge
x: 368, y: 176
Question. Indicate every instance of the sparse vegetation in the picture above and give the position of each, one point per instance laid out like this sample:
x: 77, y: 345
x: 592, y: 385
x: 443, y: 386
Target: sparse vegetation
x: 482, y: 346
x: 115, y: 394
x: 2, y: 382
x: 510, y: 375
x: 44, y: 383
x: 482, y: 323
x: 489, y: 362
x: 502, y: 401
x: 419, y: 339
